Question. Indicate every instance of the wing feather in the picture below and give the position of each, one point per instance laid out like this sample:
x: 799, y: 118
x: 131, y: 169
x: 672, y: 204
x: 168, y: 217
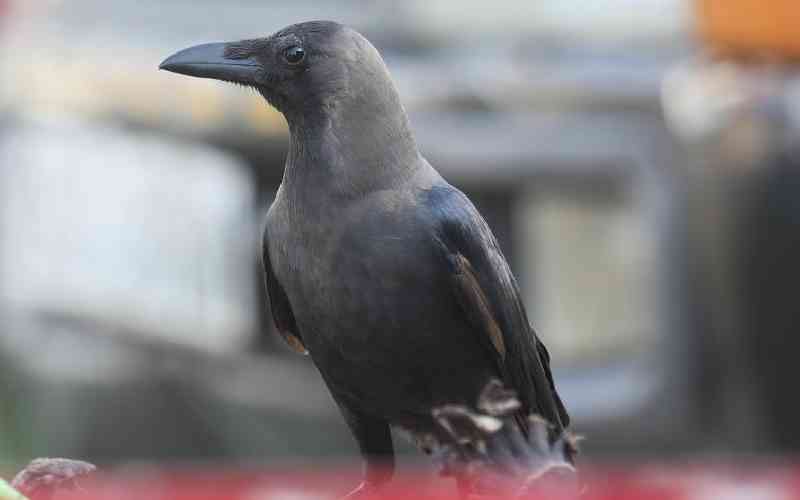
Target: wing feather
x: 490, y: 298
x: 282, y: 314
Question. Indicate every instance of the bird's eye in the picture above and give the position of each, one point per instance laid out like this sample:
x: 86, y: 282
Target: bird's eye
x: 294, y: 54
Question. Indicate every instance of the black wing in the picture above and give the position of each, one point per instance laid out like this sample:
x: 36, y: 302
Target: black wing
x: 282, y: 313
x: 490, y: 298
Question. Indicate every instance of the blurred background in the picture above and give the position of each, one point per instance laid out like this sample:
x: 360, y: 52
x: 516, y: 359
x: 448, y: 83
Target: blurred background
x: 636, y: 159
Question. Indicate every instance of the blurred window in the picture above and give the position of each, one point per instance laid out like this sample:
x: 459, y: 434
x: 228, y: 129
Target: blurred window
x: 127, y: 230
x: 588, y: 272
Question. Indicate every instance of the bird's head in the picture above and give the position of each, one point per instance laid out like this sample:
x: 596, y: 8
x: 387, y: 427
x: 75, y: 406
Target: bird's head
x: 303, y: 68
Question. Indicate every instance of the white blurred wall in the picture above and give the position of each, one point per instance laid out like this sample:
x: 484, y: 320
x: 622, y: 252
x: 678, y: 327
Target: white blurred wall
x: 127, y: 230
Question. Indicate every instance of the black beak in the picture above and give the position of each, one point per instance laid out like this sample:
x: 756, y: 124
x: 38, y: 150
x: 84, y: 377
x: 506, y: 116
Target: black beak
x: 209, y: 61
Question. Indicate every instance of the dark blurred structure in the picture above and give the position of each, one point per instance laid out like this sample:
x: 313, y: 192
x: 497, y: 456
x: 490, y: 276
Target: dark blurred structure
x: 770, y: 246
x: 738, y: 123
x: 619, y: 178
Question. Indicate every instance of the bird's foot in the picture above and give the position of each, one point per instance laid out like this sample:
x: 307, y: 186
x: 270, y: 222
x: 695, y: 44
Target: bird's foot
x: 364, y: 490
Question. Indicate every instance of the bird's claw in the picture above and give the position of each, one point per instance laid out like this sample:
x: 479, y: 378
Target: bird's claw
x: 362, y: 491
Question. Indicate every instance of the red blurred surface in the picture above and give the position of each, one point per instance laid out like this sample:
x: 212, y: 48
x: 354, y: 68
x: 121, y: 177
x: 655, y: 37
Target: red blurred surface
x: 619, y: 483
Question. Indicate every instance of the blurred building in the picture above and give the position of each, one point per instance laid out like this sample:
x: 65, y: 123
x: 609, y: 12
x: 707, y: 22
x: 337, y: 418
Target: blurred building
x: 135, y: 324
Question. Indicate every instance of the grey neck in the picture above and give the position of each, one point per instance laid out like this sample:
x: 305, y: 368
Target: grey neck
x: 350, y: 147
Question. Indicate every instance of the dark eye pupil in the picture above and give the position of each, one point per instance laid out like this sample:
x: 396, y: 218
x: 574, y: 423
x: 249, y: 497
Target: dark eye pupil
x: 294, y: 54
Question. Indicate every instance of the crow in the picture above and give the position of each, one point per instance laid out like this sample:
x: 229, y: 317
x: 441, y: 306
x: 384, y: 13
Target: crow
x: 375, y: 266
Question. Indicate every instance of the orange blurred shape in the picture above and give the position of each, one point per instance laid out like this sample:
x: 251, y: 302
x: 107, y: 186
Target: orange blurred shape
x: 751, y: 28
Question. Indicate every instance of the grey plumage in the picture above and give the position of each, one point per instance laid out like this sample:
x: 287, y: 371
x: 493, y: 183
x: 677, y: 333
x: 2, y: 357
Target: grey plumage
x: 386, y: 274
